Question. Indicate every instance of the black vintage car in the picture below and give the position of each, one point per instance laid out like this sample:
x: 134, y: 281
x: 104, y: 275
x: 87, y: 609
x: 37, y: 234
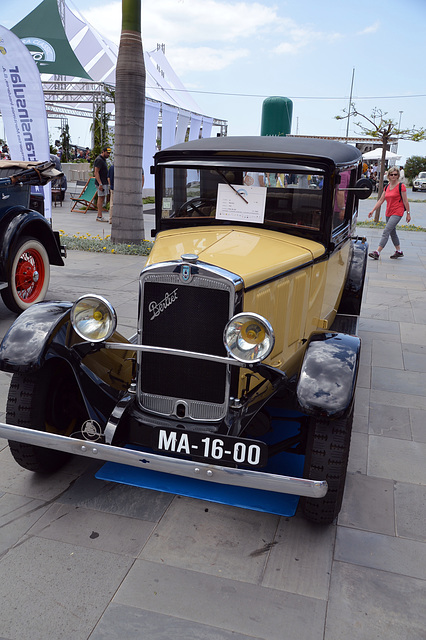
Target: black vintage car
x: 238, y: 385
x: 28, y: 246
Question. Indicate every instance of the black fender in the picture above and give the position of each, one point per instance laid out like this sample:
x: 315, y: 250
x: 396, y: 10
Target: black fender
x: 17, y: 222
x: 43, y: 332
x: 328, y: 375
x: 24, y: 346
x: 350, y: 302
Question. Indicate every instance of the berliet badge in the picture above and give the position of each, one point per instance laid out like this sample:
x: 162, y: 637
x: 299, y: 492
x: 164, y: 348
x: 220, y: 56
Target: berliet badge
x: 158, y: 307
x: 186, y: 272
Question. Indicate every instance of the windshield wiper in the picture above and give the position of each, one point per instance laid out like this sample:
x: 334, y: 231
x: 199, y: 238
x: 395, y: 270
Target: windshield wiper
x: 231, y: 185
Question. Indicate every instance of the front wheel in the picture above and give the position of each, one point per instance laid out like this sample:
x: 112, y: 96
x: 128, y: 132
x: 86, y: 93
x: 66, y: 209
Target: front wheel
x: 46, y: 400
x: 326, y: 458
x: 29, y: 275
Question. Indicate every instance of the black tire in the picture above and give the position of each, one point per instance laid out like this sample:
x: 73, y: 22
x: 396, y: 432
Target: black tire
x: 414, y: 189
x: 46, y: 400
x: 29, y: 275
x: 326, y: 458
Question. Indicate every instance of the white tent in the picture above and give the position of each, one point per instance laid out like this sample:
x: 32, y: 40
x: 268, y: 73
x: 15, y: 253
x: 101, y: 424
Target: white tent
x: 65, y: 45
x: 376, y: 154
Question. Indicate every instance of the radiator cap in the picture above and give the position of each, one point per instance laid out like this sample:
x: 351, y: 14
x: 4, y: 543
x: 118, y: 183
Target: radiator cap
x: 189, y: 257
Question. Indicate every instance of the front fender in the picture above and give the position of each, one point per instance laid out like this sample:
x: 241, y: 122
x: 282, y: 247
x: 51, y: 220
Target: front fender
x: 327, y: 380
x: 43, y: 333
x: 24, y: 345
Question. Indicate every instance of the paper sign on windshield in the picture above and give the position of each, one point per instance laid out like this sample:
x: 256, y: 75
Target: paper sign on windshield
x: 241, y: 203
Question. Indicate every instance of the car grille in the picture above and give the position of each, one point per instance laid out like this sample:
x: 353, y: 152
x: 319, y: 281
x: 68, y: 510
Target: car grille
x: 188, y: 316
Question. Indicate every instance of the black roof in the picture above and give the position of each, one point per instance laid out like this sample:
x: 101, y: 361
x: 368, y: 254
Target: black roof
x: 336, y: 152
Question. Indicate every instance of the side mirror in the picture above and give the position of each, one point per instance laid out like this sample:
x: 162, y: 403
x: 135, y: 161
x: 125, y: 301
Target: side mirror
x: 363, y: 188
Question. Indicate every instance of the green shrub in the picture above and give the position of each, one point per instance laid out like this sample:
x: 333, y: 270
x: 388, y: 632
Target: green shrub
x: 96, y: 244
x: 413, y: 166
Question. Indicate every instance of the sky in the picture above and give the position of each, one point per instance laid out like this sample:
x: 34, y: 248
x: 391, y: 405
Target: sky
x: 232, y: 55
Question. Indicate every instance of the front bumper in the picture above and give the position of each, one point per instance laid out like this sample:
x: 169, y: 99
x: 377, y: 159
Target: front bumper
x: 166, y: 464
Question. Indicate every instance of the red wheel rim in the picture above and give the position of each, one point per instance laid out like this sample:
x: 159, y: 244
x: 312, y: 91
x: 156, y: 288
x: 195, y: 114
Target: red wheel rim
x: 29, y: 276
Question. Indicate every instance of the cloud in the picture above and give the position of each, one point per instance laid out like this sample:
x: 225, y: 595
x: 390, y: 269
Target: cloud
x: 213, y: 34
x: 373, y: 28
x: 210, y: 20
x: 205, y: 58
x: 299, y: 38
x: 181, y: 22
x: 203, y: 35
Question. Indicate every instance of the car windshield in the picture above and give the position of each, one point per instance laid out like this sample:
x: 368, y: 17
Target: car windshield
x: 422, y: 175
x: 292, y: 198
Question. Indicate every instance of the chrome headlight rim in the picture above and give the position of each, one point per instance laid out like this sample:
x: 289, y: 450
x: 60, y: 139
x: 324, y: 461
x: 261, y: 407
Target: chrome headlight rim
x: 269, y: 332
x: 95, y: 299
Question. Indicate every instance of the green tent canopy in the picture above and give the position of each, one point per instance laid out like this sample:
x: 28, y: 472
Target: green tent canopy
x: 44, y: 35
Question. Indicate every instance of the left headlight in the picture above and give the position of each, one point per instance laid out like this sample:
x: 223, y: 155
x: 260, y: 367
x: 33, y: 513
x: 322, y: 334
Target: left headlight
x: 248, y: 337
x: 93, y: 318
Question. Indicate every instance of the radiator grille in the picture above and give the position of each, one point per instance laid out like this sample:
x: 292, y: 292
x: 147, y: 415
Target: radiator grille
x: 191, y: 318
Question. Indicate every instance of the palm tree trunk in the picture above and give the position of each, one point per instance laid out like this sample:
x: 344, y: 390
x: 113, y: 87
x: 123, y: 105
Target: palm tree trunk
x: 127, y: 219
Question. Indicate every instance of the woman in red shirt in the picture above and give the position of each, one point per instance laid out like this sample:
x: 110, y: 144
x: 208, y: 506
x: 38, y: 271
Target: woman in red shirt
x: 396, y: 204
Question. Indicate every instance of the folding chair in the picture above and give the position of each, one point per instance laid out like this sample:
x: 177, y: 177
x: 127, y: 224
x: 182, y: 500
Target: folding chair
x: 87, y: 196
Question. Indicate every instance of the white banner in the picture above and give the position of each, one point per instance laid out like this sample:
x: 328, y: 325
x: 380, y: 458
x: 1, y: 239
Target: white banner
x: 152, y: 110
x: 207, y: 127
x: 168, y: 128
x: 194, y: 130
x: 22, y: 105
x: 182, y: 126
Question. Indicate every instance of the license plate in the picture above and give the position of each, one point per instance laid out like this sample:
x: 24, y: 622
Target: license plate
x: 211, y: 447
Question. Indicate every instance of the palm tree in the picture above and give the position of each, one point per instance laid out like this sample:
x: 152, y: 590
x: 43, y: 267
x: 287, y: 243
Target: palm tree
x: 127, y: 225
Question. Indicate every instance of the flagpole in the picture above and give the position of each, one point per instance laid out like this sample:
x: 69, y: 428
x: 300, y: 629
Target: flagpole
x: 350, y: 104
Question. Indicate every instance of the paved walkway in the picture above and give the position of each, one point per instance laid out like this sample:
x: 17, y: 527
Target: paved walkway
x: 79, y: 222
x: 81, y: 558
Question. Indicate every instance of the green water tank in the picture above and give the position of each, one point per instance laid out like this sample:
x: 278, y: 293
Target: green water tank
x: 276, y: 116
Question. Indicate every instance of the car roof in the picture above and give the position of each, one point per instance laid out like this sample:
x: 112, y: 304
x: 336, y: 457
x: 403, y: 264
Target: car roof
x: 285, y: 146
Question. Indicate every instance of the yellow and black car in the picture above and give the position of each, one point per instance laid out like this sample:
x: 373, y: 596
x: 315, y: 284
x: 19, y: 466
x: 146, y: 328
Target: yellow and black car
x: 239, y: 383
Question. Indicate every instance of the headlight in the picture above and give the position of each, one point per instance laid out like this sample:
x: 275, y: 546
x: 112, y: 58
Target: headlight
x: 248, y: 337
x: 93, y: 318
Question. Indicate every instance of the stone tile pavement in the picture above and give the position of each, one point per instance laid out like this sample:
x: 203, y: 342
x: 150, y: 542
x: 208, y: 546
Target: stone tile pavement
x: 82, y: 558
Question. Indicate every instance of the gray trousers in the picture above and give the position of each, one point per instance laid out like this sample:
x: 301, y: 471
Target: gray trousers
x: 390, y: 230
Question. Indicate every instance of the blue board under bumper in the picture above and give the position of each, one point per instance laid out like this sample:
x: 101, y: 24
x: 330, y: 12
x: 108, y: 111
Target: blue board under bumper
x: 268, y: 501
x: 282, y: 504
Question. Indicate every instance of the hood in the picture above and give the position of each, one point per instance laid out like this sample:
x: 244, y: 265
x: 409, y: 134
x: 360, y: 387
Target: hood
x: 253, y: 254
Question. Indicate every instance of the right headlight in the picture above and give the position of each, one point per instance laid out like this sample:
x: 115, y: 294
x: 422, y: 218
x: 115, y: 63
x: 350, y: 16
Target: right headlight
x: 93, y: 318
x: 248, y: 337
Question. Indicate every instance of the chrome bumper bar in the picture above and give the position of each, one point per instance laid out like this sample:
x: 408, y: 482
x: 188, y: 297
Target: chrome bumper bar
x: 166, y: 464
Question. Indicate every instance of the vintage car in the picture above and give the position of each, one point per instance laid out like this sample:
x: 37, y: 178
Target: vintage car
x: 419, y: 182
x: 28, y: 246
x: 239, y: 383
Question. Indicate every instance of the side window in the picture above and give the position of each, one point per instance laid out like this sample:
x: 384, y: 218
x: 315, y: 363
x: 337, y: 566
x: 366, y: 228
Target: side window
x: 342, y: 199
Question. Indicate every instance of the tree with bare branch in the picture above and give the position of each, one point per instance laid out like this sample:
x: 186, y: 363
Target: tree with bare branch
x: 384, y: 129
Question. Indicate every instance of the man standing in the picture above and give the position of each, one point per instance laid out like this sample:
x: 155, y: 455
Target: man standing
x: 101, y: 177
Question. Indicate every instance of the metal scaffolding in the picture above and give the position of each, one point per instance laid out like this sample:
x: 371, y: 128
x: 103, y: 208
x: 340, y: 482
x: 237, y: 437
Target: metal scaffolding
x: 61, y: 95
